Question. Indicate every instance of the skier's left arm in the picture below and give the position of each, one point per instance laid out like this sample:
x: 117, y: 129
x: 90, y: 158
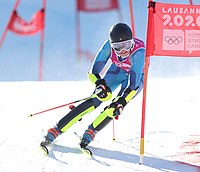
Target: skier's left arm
x: 136, y: 72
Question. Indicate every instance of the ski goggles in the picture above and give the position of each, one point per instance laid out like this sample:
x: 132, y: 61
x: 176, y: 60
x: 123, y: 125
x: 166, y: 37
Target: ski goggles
x: 119, y: 46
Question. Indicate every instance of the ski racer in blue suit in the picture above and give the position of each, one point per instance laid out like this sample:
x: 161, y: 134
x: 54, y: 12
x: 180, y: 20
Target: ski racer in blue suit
x: 127, y: 57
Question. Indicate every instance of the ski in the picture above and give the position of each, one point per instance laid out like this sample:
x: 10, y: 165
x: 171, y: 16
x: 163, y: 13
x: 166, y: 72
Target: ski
x: 44, y: 148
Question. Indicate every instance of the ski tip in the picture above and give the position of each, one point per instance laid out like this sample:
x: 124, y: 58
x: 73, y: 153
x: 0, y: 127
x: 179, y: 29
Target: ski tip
x: 86, y: 151
x: 44, y: 150
x: 89, y: 152
x: 79, y: 137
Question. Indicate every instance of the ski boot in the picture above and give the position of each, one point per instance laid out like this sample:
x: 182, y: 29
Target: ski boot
x: 88, y: 136
x: 84, y: 143
x: 52, y: 134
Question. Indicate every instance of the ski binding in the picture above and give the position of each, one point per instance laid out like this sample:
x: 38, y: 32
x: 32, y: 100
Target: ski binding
x: 85, y: 150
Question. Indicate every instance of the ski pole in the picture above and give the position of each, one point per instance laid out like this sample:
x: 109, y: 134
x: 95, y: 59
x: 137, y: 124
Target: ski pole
x: 113, y: 129
x: 33, y: 114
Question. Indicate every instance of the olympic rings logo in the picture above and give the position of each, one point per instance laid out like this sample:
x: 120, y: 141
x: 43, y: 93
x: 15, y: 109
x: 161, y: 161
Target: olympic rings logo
x: 173, y: 40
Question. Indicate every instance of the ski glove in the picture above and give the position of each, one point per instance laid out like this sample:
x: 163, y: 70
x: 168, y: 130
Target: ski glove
x: 118, y: 104
x: 102, y: 91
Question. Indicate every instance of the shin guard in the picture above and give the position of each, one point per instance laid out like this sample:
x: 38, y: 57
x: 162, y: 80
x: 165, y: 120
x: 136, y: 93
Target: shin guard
x: 76, y: 114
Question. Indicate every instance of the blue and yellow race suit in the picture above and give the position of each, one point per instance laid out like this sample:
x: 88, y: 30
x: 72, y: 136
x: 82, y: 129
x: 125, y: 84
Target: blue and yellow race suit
x: 125, y: 72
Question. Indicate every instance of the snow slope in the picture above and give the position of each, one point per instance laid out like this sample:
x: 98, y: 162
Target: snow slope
x: 172, y: 116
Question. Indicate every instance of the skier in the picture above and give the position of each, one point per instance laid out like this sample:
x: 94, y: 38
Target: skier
x: 127, y: 55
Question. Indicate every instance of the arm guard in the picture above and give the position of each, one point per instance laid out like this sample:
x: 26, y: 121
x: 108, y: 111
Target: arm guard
x: 129, y: 94
x: 93, y: 77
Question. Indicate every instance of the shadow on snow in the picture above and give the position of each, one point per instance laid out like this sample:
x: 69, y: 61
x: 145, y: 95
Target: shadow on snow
x: 153, y: 162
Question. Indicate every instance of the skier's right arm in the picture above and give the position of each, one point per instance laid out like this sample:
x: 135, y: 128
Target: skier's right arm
x: 99, y: 62
x: 102, y: 91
